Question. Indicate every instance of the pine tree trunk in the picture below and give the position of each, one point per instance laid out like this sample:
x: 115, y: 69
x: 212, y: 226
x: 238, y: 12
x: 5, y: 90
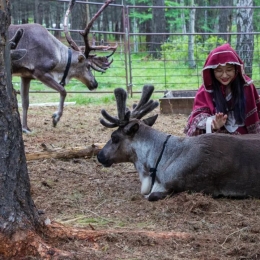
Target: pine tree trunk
x: 158, y: 26
x: 225, y: 20
x: 192, y: 63
x: 245, y: 41
x: 18, y: 214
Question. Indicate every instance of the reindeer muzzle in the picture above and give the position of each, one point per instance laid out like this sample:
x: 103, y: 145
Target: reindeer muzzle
x: 102, y: 159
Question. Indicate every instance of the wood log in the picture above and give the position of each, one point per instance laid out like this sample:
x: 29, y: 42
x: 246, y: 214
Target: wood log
x: 66, y: 153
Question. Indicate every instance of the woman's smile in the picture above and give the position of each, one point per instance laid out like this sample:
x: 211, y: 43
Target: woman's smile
x: 225, y: 81
x: 225, y: 74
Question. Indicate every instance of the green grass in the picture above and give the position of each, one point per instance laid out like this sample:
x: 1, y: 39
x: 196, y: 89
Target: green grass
x: 169, y: 73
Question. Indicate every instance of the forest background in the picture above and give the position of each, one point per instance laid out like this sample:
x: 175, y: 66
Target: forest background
x: 164, y: 43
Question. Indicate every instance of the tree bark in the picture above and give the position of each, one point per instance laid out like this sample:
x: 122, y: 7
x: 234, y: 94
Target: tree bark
x: 16, y: 204
x: 245, y: 41
x: 192, y: 63
x: 158, y: 26
x: 225, y: 20
x: 79, y: 18
x: 183, y: 20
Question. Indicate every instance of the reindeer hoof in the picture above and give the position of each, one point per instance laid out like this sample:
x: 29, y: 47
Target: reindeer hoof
x: 55, y: 119
x: 27, y: 131
x: 157, y: 196
x: 54, y: 123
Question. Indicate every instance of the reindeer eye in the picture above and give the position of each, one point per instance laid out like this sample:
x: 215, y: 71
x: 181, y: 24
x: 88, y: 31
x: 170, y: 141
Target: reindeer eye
x: 115, y: 139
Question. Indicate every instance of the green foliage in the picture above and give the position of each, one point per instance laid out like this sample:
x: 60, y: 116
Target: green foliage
x: 175, y: 17
x: 139, y: 2
x: 142, y: 16
x: 170, y: 72
x: 176, y: 48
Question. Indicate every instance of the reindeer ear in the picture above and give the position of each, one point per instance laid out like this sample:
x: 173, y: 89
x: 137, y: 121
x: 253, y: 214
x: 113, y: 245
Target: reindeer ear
x: 81, y: 57
x: 150, y: 120
x: 17, y: 54
x: 131, y: 128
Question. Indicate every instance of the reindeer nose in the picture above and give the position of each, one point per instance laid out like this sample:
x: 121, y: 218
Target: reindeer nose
x: 93, y: 85
x: 103, y: 160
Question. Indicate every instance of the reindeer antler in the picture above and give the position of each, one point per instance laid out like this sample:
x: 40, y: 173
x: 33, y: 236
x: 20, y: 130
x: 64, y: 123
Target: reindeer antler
x: 144, y: 107
x: 72, y: 44
x: 86, y: 31
x: 100, y: 64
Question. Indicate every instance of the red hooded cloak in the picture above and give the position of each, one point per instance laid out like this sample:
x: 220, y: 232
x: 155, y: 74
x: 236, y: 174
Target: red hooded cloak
x: 203, y: 106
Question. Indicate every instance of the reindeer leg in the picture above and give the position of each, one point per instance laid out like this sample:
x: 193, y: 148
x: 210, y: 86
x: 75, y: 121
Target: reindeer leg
x: 25, y: 86
x: 57, y: 115
x: 48, y: 80
x: 146, y: 184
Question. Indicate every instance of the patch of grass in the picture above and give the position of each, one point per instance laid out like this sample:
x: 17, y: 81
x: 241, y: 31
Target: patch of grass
x: 164, y: 74
x: 97, y: 221
x: 83, y: 221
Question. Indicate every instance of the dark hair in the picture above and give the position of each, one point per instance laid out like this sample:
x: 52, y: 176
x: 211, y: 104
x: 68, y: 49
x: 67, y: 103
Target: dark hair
x: 238, y: 97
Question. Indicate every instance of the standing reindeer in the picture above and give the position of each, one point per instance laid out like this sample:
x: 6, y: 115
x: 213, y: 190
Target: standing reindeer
x: 53, y: 63
x: 216, y: 164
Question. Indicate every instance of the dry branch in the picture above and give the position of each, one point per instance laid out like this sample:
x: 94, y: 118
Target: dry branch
x: 65, y: 153
x: 66, y: 232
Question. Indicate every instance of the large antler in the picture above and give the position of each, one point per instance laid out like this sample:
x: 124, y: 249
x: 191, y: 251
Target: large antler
x: 72, y: 44
x: 86, y: 31
x: 97, y: 63
x: 144, y: 107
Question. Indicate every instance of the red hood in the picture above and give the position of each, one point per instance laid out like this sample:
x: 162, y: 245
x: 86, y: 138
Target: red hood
x: 221, y: 56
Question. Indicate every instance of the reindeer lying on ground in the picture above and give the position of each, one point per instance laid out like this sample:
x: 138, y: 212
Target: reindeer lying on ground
x: 215, y: 164
x: 53, y: 63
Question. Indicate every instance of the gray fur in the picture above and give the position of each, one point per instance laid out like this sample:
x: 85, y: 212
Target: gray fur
x: 43, y: 57
x: 215, y: 164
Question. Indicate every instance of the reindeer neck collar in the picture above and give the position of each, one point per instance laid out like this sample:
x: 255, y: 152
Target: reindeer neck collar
x: 153, y: 170
x: 67, y: 68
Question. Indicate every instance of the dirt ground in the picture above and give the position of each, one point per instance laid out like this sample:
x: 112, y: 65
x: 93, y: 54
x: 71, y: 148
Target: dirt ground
x: 81, y: 193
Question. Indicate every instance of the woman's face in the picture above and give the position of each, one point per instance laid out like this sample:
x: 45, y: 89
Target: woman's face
x: 225, y: 74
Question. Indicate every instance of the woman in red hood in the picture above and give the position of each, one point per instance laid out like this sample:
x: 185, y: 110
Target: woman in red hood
x: 227, y: 101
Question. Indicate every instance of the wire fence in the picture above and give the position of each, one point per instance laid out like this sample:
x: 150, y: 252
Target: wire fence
x: 134, y: 65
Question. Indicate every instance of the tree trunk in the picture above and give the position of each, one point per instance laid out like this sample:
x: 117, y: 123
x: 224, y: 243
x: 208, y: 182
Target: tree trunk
x: 15, y: 11
x: 47, y: 11
x: 206, y: 19
x: 38, y: 12
x: 192, y: 63
x: 78, y: 22
x: 225, y: 20
x: 158, y: 26
x: 58, y: 21
x: 245, y: 42
x: 183, y: 20
x: 18, y: 214
x: 148, y: 37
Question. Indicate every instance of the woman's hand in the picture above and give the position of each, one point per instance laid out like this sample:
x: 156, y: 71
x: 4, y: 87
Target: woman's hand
x: 219, y: 121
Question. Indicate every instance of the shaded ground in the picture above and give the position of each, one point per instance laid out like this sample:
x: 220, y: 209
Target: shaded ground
x: 81, y: 193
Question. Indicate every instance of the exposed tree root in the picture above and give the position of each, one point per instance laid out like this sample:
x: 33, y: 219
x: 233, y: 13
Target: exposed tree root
x: 28, y: 244
x: 57, y: 229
